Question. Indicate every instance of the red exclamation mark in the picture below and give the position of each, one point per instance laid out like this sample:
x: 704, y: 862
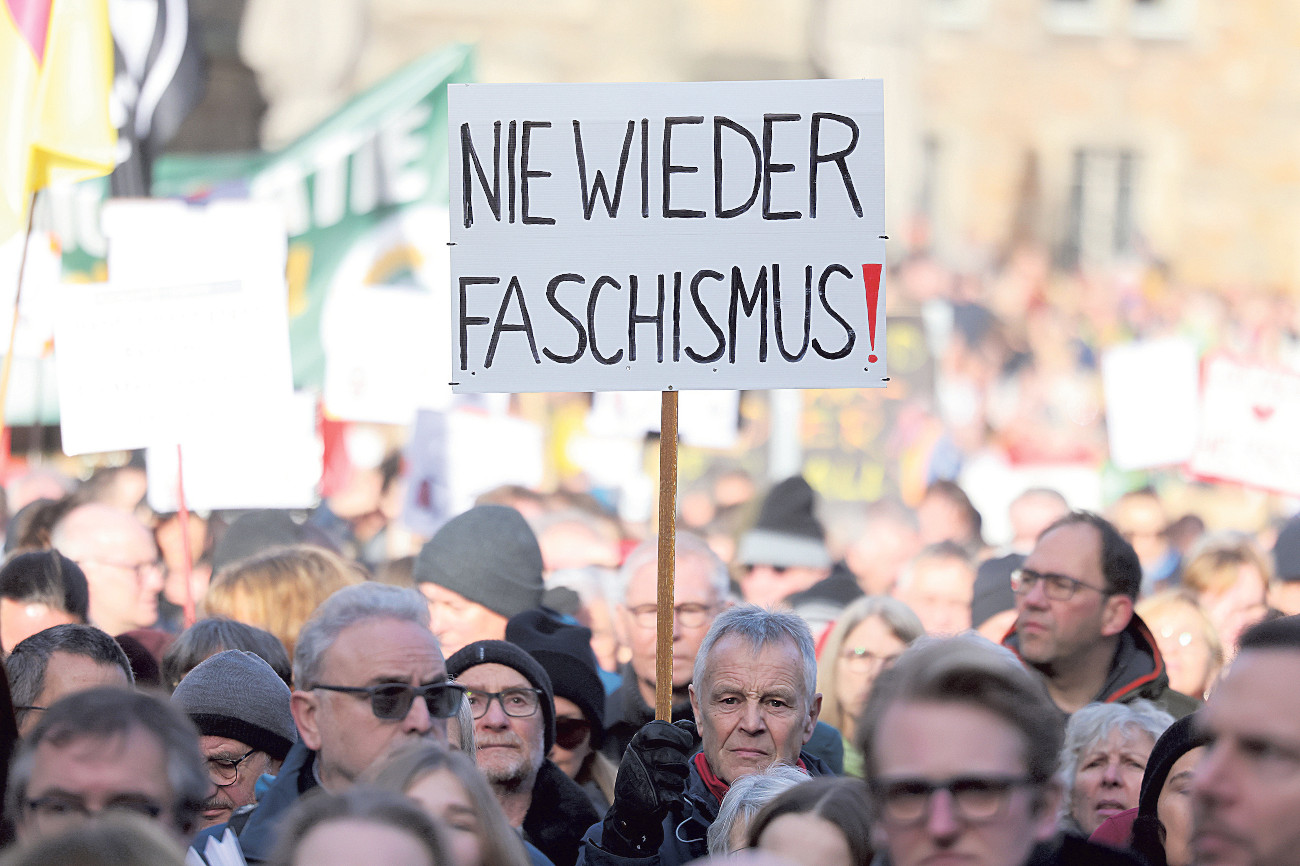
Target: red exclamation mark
x: 871, y: 277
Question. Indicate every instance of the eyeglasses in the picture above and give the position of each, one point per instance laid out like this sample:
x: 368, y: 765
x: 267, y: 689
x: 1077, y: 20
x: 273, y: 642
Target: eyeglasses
x: 974, y: 798
x: 141, y: 569
x: 690, y: 614
x: 517, y: 703
x: 570, y: 733
x: 59, y: 808
x: 1057, y: 587
x: 862, y: 660
x: 392, y: 701
x: 225, y: 771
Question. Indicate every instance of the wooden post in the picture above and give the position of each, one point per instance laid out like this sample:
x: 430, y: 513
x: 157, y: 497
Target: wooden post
x: 665, y: 596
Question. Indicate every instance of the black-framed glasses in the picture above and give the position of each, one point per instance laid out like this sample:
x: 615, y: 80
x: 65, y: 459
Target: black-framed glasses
x: 570, y: 733
x: 61, y: 808
x: 974, y: 798
x: 690, y: 614
x: 1057, y: 587
x: 517, y: 703
x: 392, y: 701
x: 225, y: 771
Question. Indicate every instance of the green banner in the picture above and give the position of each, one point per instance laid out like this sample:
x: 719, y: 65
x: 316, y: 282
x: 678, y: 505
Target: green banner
x: 355, y: 191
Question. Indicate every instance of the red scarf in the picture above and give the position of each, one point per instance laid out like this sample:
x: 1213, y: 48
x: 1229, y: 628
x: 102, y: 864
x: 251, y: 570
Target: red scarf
x: 716, y: 786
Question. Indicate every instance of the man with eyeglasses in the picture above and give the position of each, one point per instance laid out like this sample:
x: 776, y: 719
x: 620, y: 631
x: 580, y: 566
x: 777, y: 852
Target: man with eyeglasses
x: 368, y: 677
x: 120, y: 559
x: 513, y: 705
x: 1075, y: 623
x: 700, y: 594
x: 241, y: 708
x: 58, y: 661
x: 107, y: 751
x: 960, y: 746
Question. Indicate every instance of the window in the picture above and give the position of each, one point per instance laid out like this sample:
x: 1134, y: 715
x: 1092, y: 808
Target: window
x: 1161, y: 19
x: 1075, y: 17
x: 1101, y: 224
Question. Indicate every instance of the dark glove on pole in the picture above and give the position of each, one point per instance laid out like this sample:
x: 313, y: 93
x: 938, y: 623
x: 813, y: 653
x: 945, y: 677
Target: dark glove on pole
x: 651, y: 778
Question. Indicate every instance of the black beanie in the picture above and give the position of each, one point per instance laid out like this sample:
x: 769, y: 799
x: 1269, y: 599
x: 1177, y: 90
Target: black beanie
x: 1177, y: 740
x: 489, y: 555
x: 1286, y: 551
x: 992, y: 593
x: 787, y: 532
x: 564, y: 650
x: 500, y: 652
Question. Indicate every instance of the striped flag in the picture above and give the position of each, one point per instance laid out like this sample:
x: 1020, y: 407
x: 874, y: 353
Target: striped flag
x: 56, y: 69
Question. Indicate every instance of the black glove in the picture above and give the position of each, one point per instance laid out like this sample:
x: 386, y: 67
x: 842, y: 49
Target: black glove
x: 651, y: 778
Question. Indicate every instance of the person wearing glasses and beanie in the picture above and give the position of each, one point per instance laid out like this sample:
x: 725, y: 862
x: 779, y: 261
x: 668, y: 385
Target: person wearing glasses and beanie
x: 564, y: 651
x: 368, y: 678
x: 959, y: 746
x: 241, y: 708
x: 513, y: 704
x: 1075, y: 623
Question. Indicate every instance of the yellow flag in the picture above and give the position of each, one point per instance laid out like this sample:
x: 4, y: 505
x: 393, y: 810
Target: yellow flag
x: 56, y: 70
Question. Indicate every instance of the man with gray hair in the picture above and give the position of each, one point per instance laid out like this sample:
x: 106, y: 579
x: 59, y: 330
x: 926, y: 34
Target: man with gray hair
x: 754, y: 700
x: 107, y: 751
x: 59, y: 661
x: 369, y: 676
x: 700, y: 594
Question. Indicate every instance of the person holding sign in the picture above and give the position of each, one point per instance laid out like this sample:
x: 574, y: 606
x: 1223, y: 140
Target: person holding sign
x: 755, y: 702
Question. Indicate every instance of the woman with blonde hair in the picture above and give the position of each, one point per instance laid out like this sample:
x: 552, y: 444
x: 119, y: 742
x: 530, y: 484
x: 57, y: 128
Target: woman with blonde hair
x: 867, y: 638
x: 1187, y: 640
x: 278, y: 590
x: 1228, y: 576
x: 449, y: 787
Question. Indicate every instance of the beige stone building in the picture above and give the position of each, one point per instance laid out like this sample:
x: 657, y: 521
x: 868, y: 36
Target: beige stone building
x: 1107, y: 129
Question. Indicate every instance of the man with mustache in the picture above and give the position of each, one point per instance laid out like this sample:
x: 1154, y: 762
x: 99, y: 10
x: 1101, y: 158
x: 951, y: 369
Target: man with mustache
x: 241, y: 708
x: 513, y: 705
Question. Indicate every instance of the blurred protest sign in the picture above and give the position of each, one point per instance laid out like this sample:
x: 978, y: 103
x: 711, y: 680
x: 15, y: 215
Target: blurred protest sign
x: 452, y: 457
x: 662, y: 237
x: 345, y: 190
x: 709, y: 419
x: 1151, y: 402
x: 1248, y: 421
x: 232, y: 463
x: 193, y: 327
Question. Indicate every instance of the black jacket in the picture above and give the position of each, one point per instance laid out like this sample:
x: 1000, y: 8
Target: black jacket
x: 558, y: 815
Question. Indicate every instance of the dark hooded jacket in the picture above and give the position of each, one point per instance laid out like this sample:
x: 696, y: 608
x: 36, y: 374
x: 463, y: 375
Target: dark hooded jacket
x: 1136, y: 671
x: 686, y: 826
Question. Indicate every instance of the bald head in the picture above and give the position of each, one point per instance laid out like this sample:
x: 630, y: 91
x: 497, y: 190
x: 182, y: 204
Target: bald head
x: 1033, y: 511
x: 120, y: 560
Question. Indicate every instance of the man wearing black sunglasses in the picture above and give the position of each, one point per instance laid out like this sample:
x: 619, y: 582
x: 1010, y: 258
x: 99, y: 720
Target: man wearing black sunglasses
x: 513, y: 704
x: 1075, y: 623
x: 368, y: 677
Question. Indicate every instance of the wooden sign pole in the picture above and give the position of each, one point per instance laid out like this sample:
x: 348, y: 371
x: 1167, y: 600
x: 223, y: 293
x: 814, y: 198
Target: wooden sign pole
x: 183, y: 516
x: 667, y: 551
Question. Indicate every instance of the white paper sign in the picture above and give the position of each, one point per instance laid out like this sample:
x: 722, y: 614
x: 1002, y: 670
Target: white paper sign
x: 193, y: 326
x: 667, y: 236
x: 1152, y: 399
x: 274, y: 463
x: 1249, y: 418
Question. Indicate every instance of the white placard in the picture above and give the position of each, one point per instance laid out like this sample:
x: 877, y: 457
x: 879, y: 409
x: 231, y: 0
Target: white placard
x: 1248, y: 423
x: 274, y: 463
x: 1152, y: 399
x: 153, y: 366
x: 714, y: 235
x: 706, y: 419
x: 452, y: 457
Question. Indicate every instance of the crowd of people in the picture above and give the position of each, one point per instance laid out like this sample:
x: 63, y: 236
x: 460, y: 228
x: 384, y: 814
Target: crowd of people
x: 1108, y: 689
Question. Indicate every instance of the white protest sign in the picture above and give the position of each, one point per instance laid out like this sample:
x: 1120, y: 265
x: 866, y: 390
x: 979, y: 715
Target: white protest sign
x: 274, y: 463
x: 1249, y: 418
x: 1152, y: 400
x: 452, y: 457
x: 714, y: 235
x: 193, y: 326
x: 707, y: 419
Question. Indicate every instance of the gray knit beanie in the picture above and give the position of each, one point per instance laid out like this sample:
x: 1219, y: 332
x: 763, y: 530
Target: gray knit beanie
x: 489, y: 555
x: 236, y: 694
